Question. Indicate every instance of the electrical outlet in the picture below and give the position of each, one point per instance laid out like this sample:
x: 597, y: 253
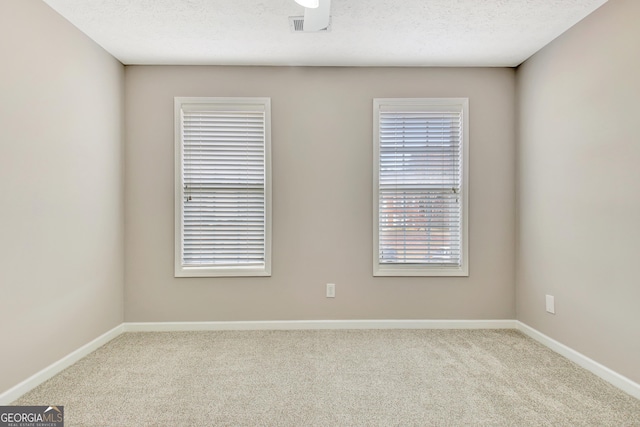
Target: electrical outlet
x: 551, y: 304
x: 331, y: 290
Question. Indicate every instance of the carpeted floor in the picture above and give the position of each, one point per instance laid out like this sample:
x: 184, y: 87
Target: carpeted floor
x: 332, y: 378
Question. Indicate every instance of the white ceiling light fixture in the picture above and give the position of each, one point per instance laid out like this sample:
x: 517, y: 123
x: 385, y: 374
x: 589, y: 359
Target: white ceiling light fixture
x: 315, y: 20
x: 311, y: 4
x: 318, y: 19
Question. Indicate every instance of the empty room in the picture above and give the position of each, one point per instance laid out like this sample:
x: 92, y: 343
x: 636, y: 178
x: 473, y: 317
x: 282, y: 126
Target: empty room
x: 320, y: 212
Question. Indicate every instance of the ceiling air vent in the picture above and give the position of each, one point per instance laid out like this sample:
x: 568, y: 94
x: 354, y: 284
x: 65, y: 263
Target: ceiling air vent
x: 296, y: 23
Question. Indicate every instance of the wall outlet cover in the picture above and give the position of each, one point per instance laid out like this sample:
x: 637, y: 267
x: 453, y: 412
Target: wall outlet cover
x: 331, y: 290
x: 550, y: 304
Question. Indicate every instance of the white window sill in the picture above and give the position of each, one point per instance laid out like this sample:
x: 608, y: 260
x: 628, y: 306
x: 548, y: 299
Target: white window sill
x: 226, y: 271
x: 380, y: 270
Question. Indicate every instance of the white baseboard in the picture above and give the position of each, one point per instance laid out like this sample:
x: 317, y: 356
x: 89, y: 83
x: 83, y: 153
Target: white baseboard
x: 35, y: 380
x: 317, y: 324
x: 620, y: 381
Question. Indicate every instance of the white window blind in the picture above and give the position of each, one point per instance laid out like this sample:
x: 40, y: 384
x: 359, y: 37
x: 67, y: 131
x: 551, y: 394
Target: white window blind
x: 420, y: 187
x: 224, y: 187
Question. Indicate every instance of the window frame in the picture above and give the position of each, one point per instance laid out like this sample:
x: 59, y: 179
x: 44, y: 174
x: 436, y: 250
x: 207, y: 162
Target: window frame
x: 181, y: 270
x: 418, y: 270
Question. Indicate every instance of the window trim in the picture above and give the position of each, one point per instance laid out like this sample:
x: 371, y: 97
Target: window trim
x: 218, y: 271
x: 398, y: 270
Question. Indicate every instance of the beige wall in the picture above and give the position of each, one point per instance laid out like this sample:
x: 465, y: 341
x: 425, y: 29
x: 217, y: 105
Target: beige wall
x: 61, y: 204
x: 322, y: 197
x: 579, y: 188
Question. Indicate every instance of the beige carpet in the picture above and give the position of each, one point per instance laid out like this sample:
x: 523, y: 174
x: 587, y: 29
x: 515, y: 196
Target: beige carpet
x: 332, y: 378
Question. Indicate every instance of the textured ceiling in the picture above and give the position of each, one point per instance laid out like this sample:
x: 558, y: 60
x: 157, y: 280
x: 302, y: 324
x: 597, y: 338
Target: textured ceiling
x: 363, y: 32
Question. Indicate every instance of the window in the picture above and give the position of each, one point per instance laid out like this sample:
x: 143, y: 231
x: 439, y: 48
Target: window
x: 420, y: 187
x: 223, y: 187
